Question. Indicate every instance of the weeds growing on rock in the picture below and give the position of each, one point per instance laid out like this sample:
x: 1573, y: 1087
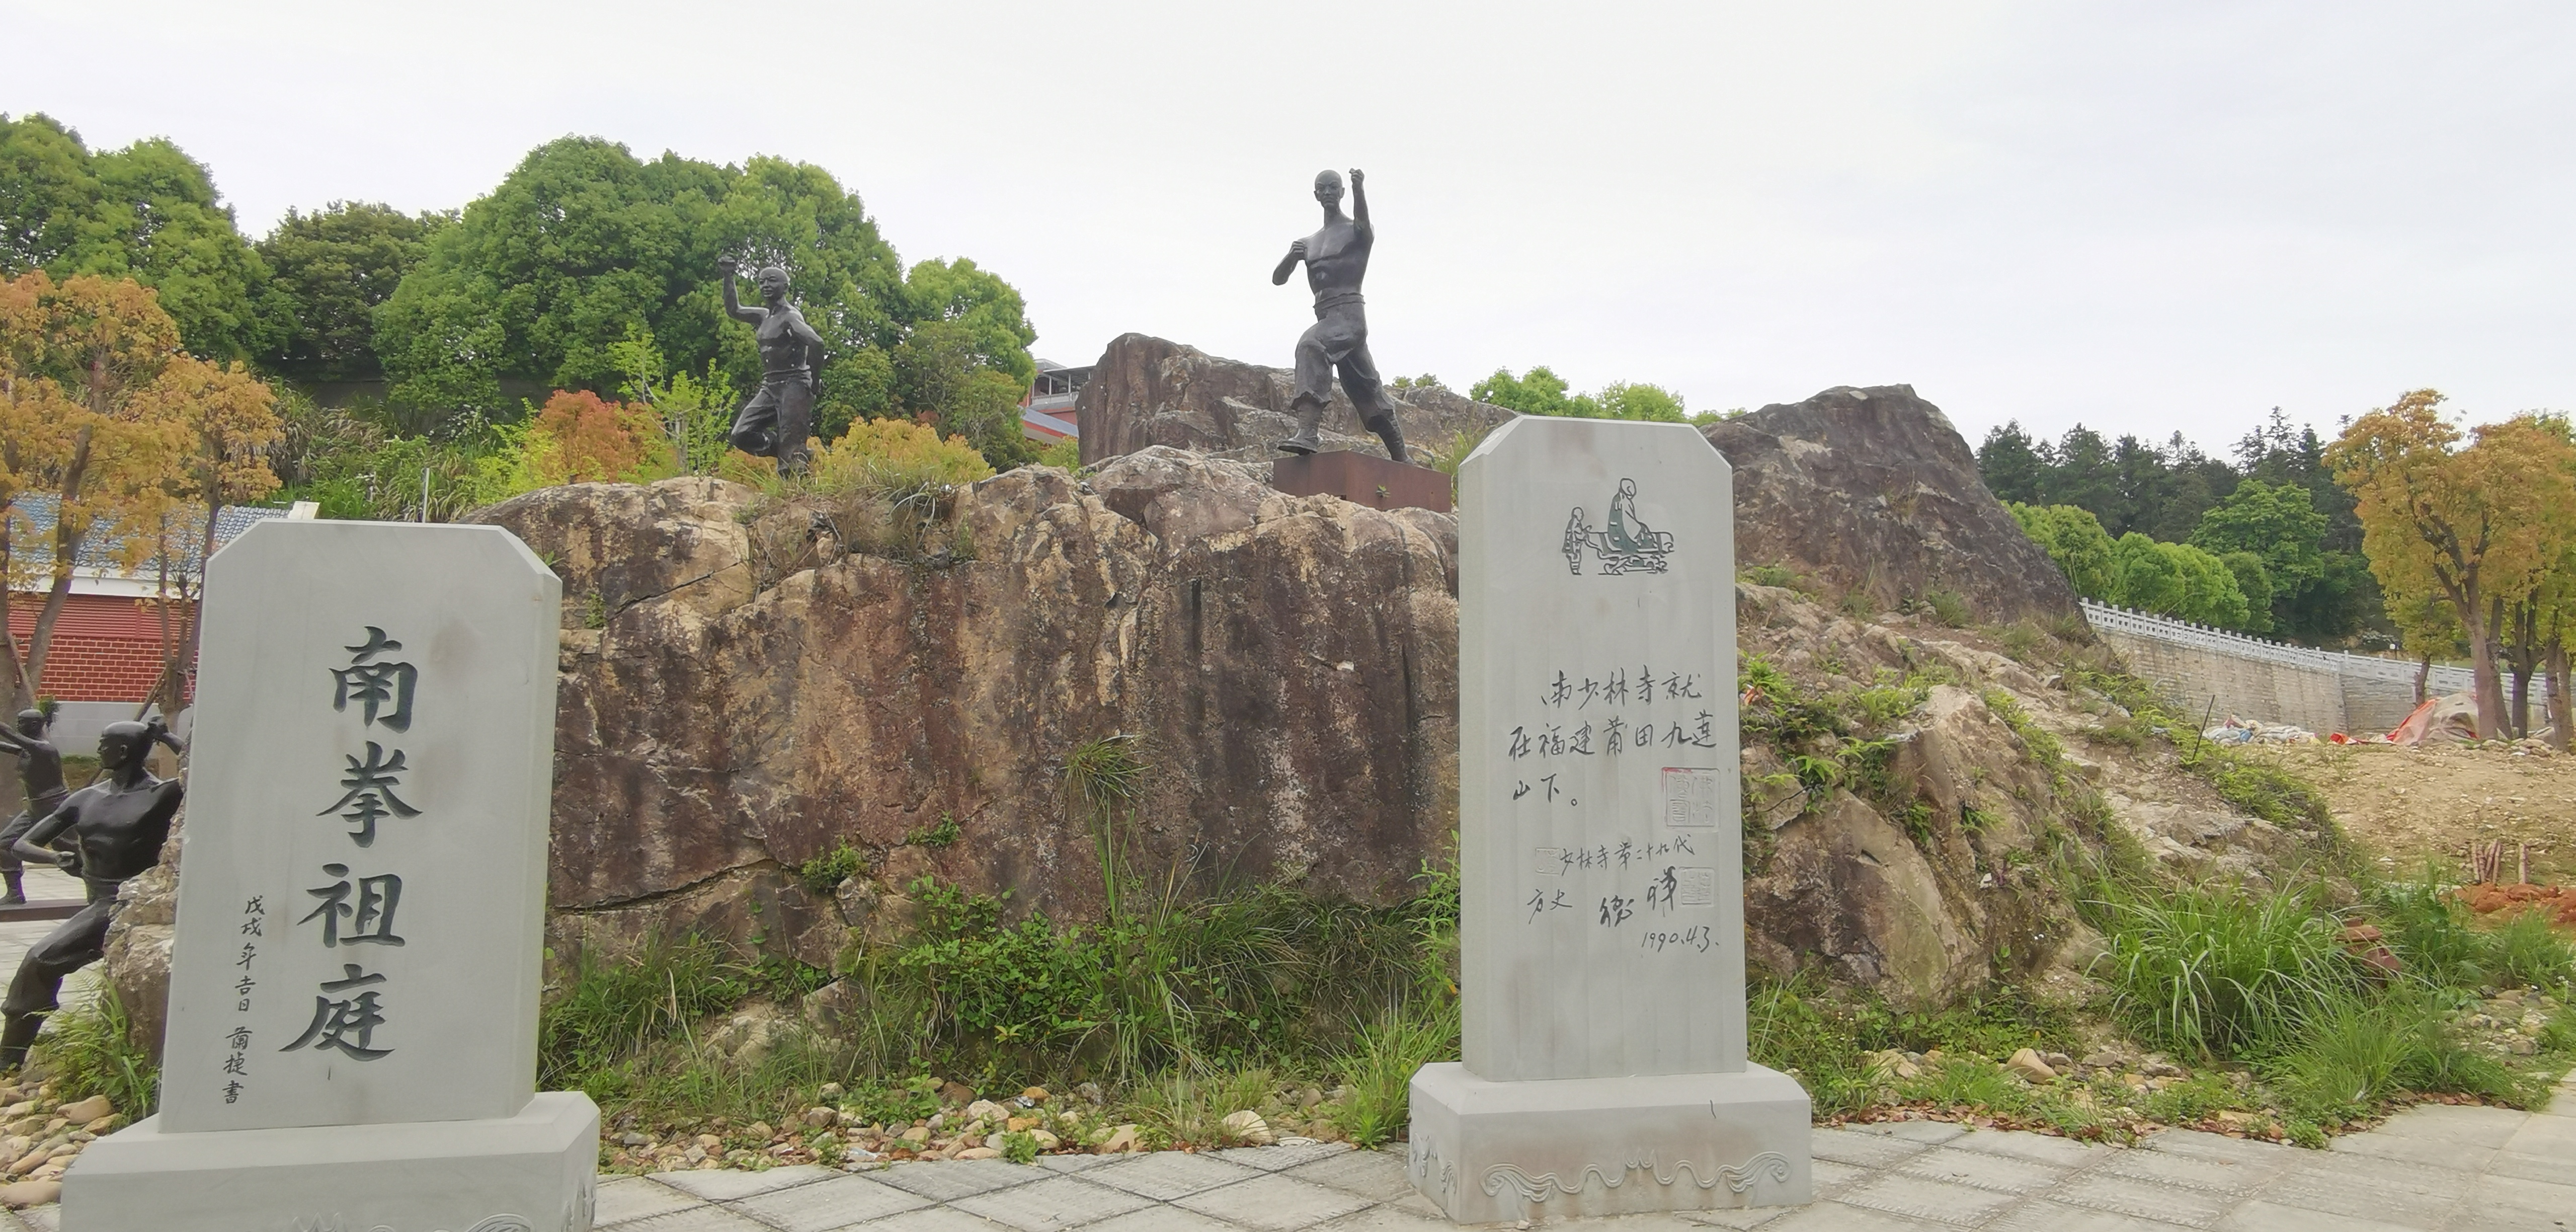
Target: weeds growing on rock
x: 89, y: 1049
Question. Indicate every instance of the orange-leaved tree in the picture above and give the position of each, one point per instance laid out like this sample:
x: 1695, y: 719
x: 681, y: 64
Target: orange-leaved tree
x: 580, y: 437
x: 84, y: 453
x: 227, y: 421
x: 2467, y: 524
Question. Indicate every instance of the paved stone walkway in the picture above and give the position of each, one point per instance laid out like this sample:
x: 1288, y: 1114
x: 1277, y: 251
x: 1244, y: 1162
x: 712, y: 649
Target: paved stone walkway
x: 2432, y: 1169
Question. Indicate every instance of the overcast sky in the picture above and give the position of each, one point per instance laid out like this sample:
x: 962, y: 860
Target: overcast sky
x: 2147, y: 217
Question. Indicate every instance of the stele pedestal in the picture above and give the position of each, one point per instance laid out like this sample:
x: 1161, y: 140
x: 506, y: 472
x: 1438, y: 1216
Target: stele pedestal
x: 1601, y: 945
x: 353, y: 993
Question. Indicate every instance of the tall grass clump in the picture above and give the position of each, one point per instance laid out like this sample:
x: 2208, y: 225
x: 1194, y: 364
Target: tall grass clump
x: 89, y: 1049
x: 604, y: 1012
x: 2217, y: 973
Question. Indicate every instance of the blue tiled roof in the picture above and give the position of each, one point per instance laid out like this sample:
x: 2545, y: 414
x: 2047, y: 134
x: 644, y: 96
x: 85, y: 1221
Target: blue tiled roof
x: 36, y: 514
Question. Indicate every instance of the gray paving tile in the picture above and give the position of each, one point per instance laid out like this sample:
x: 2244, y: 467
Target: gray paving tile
x: 695, y: 1219
x: 2165, y: 1167
x: 2362, y: 1187
x: 1931, y: 1133
x: 2042, y: 1215
x: 1917, y: 1198
x: 947, y: 1181
x: 2529, y: 1167
x: 1867, y: 1150
x: 1660, y: 1221
x: 1074, y: 1163
x: 1282, y: 1158
x: 1274, y: 1203
x: 2551, y: 1137
x: 931, y: 1219
x: 2122, y: 1195
x: 1165, y: 1175
x: 727, y: 1184
x: 45, y: 1218
x: 2448, y: 1123
x: 2556, y: 1197
x: 1740, y: 1218
x: 1160, y: 1218
x: 2462, y: 1156
x: 1052, y: 1204
x: 635, y: 1197
x: 1836, y: 1217
x: 2479, y: 1216
x: 2001, y: 1173
x: 2220, y: 1147
x: 828, y: 1205
x: 1374, y: 1175
x: 1829, y: 1176
x: 1385, y: 1217
x: 2037, y: 1148
x: 2261, y: 1216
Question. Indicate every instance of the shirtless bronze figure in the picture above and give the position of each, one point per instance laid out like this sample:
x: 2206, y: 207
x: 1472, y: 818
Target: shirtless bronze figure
x: 776, y: 421
x: 116, y: 827
x: 1336, y: 260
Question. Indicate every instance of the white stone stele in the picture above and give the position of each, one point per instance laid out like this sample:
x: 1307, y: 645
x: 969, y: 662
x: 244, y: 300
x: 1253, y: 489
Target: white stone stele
x: 1601, y: 938
x: 443, y: 1131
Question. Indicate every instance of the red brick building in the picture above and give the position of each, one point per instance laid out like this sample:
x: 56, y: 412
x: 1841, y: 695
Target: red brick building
x: 108, y: 644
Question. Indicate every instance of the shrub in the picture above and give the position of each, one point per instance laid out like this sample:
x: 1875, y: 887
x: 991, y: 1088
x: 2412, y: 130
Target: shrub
x: 1950, y: 608
x: 896, y: 457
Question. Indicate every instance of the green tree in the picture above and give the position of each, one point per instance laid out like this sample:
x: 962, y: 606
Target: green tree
x: 1543, y: 392
x: 2074, y: 538
x: 2010, y: 465
x: 2278, y: 524
x: 334, y: 266
x: 2254, y: 581
x: 583, y: 244
x: 147, y: 212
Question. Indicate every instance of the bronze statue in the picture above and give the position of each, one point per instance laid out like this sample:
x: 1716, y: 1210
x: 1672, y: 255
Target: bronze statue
x: 775, y: 422
x: 40, y: 773
x: 1336, y: 260
x: 116, y: 827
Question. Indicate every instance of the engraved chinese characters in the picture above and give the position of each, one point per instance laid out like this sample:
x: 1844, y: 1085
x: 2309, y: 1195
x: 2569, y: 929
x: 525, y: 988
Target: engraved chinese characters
x: 1601, y: 933
x: 1598, y: 762
x: 366, y: 832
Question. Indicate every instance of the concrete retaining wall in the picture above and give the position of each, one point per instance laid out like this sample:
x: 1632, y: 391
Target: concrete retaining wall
x: 2321, y: 690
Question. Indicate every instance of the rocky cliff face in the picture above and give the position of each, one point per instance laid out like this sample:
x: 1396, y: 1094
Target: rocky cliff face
x: 1871, y: 490
x: 741, y: 695
x: 1146, y: 391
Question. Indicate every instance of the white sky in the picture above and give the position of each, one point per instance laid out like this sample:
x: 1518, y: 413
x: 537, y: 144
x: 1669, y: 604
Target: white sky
x: 2146, y: 217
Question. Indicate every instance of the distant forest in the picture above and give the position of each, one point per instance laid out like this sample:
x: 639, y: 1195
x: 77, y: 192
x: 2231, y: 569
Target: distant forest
x: 2322, y: 591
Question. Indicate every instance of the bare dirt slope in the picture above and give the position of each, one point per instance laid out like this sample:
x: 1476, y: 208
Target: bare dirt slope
x: 2408, y: 804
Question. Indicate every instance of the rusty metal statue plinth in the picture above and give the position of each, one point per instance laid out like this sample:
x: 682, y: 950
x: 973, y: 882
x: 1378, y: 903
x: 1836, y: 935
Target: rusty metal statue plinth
x: 1336, y: 260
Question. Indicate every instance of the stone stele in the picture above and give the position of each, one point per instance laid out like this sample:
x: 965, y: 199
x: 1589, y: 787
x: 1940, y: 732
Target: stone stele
x: 1601, y: 946
x: 353, y: 994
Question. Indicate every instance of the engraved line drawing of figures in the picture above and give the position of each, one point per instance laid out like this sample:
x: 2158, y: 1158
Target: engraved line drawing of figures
x: 348, y: 1024
x: 776, y: 421
x: 371, y: 792
x: 369, y: 920
x: 1576, y: 535
x: 40, y: 773
x: 1623, y: 517
x: 115, y: 829
x: 1336, y: 258
x: 383, y: 690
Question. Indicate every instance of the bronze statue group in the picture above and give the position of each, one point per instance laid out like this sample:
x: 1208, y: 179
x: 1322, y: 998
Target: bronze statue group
x: 778, y: 419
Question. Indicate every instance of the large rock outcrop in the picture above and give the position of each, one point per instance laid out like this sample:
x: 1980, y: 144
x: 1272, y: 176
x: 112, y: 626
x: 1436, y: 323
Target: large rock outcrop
x: 1872, y: 491
x: 1146, y: 391
x: 740, y: 695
